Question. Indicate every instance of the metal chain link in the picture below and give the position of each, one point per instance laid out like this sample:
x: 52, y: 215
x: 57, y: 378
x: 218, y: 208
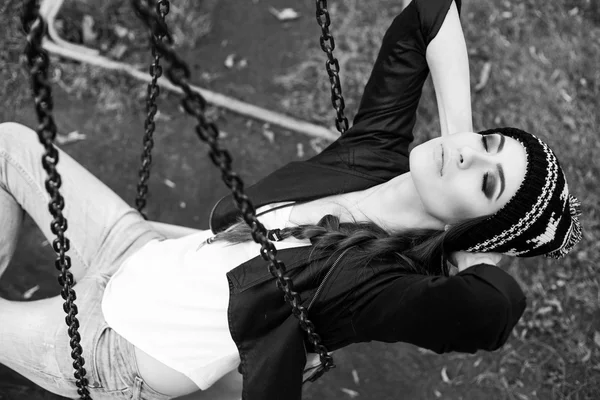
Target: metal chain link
x: 194, y: 104
x: 162, y: 9
x: 37, y: 61
x: 332, y: 66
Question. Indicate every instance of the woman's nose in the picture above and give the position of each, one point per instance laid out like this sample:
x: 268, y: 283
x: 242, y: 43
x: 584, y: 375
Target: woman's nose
x: 469, y: 157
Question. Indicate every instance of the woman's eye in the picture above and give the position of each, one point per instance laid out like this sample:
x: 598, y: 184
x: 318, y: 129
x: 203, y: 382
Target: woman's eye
x: 487, y: 186
x: 484, y: 184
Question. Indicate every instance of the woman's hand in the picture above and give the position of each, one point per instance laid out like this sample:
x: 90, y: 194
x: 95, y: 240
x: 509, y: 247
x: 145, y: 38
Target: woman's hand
x: 464, y: 259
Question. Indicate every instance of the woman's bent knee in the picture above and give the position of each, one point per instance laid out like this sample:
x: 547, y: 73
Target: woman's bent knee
x: 15, y: 134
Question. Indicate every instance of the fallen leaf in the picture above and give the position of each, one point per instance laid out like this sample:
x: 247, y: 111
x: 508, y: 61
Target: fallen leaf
x: 597, y: 338
x: 286, y: 14
x: 87, y: 30
x: 538, y: 55
x: 484, y: 76
x: 300, y: 150
x: 118, y: 51
x: 588, y: 354
x: 120, y: 31
x: 544, y: 310
x: 355, y: 377
x: 556, y: 303
x: 566, y: 96
x: 208, y: 77
x: 350, y: 392
x: 160, y: 116
x: 169, y: 183
x: 269, y: 135
x: 437, y: 393
x: 230, y: 61
x: 444, y: 374
x: 70, y: 137
x: 182, y: 204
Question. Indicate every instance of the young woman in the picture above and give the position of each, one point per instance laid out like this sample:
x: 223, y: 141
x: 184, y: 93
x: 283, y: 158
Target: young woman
x: 364, y: 229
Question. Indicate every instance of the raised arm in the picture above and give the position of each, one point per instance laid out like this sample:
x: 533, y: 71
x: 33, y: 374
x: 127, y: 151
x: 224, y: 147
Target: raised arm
x: 448, y: 62
x: 391, y: 96
x: 378, y: 142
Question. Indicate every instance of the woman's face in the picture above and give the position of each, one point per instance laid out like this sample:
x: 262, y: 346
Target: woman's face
x: 467, y: 175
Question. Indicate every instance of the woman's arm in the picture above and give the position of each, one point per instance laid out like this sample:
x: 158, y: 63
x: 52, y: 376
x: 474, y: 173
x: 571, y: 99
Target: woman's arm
x: 378, y: 142
x: 448, y: 62
x: 476, y: 309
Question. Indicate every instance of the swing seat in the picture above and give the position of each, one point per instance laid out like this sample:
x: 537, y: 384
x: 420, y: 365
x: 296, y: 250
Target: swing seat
x: 171, y: 231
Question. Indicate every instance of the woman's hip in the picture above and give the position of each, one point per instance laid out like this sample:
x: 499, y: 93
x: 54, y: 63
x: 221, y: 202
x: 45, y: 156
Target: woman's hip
x: 109, y: 359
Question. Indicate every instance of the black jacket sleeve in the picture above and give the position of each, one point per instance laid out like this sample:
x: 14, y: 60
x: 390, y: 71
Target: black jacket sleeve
x: 473, y: 310
x: 384, y: 123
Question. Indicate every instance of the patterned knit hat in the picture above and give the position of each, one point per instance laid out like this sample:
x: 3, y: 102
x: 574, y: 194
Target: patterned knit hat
x: 541, y: 218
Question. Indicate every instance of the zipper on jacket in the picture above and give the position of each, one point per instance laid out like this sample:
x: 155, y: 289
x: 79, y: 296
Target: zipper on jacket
x: 326, y: 277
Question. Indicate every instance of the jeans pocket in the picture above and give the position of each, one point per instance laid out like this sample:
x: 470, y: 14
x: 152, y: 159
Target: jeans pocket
x: 108, y: 365
x: 141, y: 391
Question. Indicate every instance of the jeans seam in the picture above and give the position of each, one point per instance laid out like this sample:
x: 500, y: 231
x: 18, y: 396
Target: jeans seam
x: 32, y: 182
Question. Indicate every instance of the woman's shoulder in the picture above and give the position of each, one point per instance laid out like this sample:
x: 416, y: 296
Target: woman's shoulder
x: 432, y: 14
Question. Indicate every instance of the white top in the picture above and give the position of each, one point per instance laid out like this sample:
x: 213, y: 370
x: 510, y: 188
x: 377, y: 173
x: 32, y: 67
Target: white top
x: 170, y: 299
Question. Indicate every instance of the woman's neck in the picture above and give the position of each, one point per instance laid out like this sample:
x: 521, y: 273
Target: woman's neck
x: 394, y: 205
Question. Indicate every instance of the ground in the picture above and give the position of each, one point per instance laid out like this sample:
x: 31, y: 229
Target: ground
x: 542, y: 56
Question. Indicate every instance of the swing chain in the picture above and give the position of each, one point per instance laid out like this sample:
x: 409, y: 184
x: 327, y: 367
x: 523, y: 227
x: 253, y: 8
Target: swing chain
x: 162, y: 9
x: 37, y: 61
x: 332, y: 66
x: 194, y: 104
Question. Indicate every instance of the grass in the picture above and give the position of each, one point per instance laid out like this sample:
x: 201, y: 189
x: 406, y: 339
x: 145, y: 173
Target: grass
x: 545, y: 79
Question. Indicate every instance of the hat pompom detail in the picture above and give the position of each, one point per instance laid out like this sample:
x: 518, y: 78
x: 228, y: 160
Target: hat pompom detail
x: 575, y: 233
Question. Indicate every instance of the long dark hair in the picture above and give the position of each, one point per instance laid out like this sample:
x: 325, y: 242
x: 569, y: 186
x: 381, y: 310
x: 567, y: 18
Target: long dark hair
x: 422, y: 251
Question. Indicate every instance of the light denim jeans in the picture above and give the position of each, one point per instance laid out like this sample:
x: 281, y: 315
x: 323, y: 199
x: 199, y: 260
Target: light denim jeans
x: 103, y: 231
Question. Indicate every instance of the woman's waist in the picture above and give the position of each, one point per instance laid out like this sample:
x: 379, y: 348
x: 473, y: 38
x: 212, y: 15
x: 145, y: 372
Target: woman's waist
x: 161, y: 377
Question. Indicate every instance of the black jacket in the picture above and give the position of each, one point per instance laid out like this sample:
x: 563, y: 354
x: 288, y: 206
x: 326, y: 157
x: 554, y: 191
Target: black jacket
x: 475, y: 309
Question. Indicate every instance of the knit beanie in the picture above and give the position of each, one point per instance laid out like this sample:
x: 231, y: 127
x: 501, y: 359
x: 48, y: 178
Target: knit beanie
x: 542, y: 218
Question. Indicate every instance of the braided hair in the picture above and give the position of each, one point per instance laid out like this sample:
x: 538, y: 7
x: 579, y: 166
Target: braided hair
x: 421, y: 251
